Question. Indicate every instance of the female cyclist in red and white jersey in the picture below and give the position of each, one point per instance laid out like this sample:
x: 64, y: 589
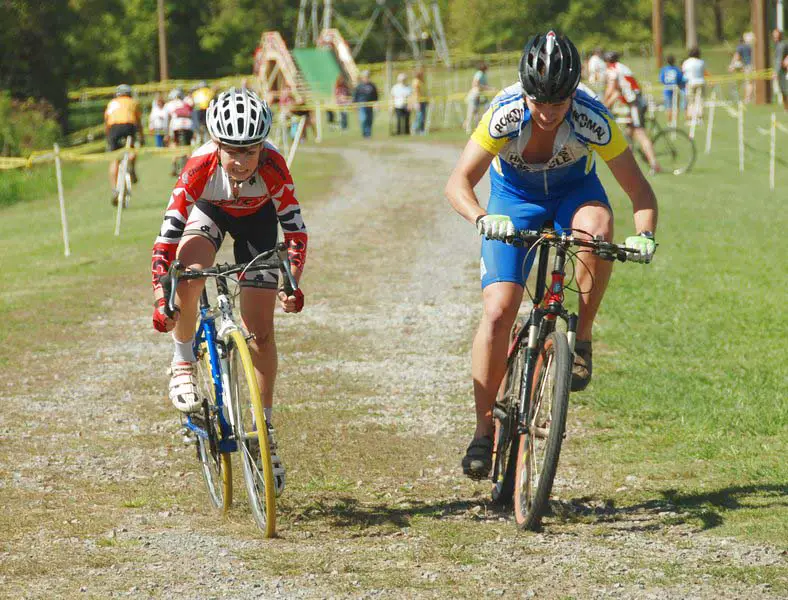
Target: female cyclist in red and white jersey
x: 239, y: 184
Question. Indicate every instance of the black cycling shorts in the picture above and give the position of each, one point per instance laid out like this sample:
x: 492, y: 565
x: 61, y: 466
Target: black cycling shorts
x: 118, y: 134
x: 252, y: 235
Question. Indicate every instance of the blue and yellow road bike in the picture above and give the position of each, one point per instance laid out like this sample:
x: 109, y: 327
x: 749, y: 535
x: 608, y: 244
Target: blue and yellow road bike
x: 232, y: 418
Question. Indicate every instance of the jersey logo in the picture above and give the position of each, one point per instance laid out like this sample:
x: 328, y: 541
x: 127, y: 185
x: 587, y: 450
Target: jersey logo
x: 590, y: 124
x: 506, y: 120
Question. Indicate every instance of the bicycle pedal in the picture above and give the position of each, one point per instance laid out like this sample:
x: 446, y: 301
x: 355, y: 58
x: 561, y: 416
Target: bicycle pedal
x: 500, y: 414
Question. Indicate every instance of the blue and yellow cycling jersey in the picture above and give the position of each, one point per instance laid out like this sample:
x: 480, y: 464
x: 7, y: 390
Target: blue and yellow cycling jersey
x: 505, y: 129
x: 532, y: 193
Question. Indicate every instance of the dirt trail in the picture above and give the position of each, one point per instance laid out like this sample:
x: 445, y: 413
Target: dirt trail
x: 102, y: 499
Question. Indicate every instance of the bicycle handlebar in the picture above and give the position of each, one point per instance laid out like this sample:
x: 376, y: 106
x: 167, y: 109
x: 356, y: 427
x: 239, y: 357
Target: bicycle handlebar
x: 599, y: 247
x: 265, y: 260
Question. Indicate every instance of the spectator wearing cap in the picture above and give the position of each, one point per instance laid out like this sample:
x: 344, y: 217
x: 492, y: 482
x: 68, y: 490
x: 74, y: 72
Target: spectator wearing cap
x: 365, y: 92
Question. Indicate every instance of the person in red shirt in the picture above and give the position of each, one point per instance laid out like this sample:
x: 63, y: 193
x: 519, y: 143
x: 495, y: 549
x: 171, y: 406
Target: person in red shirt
x: 239, y: 184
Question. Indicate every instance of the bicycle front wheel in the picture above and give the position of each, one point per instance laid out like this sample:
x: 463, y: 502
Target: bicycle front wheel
x: 675, y: 151
x: 506, y: 441
x: 217, y: 468
x: 540, y: 444
x: 252, y: 435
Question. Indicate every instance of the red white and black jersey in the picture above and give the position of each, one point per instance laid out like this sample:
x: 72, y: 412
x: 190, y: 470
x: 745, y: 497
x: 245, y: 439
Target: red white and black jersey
x: 203, y: 178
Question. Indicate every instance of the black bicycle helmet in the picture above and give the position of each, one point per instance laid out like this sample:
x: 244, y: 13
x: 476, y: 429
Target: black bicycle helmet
x: 549, y: 68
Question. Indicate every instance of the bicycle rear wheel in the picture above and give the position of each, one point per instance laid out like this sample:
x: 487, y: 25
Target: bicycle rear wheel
x: 540, y: 445
x: 217, y: 468
x: 675, y: 151
x: 505, y: 442
x: 250, y: 424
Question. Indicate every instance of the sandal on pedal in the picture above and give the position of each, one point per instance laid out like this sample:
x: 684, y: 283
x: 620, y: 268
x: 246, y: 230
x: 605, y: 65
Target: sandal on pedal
x: 478, y: 458
x: 581, y: 369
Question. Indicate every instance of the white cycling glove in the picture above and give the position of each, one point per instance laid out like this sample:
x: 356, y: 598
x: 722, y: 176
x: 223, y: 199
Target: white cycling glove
x: 643, y: 243
x: 495, y: 227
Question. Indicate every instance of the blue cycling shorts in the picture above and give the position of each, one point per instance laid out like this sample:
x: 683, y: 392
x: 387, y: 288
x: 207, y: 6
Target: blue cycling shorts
x: 504, y: 262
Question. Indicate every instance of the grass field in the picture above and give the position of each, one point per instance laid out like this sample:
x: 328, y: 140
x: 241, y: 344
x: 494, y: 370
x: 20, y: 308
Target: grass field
x: 672, y: 480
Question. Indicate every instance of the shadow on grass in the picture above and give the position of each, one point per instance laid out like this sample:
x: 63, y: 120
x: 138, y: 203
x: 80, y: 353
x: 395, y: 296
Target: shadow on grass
x: 674, y: 507
x: 347, y: 511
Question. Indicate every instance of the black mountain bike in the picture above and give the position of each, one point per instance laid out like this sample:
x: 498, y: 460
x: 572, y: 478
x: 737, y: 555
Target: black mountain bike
x: 530, y: 411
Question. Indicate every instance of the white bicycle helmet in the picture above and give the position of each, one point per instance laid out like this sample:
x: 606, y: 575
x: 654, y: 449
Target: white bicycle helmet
x: 238, y: 117
x: 124, y: 89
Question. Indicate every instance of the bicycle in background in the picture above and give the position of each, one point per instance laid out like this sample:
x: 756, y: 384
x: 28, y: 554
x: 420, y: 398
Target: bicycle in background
x: 531, y: 408
x: 122, y: 196
x: 673, y: 147
x: 232, y: 417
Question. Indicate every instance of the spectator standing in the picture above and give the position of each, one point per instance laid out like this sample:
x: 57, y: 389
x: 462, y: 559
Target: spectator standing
x: 672, y: 78
x: 474, y: 98
x: 365, y: 92
x: 158, y: 121
x: 781, y: 65
x: 741, y: 62
x: 201, y: 99
x: 596, y: 68
x: 341, y: 98
x: 694, y: 72
x: 400, y: 97
x: 419, y: 101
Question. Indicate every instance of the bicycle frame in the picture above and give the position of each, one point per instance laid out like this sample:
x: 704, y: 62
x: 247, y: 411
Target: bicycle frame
x: 213, y: 338
x: 541, y: 322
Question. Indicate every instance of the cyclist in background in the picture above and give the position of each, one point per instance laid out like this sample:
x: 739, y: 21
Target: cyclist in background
x: 622, y: 87
x: 672, y: 78
x: 122, y: 119
x: 201, y: 98
x: 537, y: 140
x: 238, y: 184
x: 179, y: 109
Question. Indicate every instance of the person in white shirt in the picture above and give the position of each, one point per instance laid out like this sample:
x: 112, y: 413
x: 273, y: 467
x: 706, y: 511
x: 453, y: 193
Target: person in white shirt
x: 158, y: 120
x: 694, y: 70
x: 400, y: 93
x: 596, y: 68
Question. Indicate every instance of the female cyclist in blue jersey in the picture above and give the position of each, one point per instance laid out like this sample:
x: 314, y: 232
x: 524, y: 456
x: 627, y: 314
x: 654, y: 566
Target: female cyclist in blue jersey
x: 538, y: 140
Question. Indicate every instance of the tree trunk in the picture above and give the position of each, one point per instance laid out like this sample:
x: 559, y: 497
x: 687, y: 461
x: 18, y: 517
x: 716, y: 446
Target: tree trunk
x: 690, y: 24
x: 719, y: 21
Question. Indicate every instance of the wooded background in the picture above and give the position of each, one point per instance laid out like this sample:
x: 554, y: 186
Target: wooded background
x: 50, y: 47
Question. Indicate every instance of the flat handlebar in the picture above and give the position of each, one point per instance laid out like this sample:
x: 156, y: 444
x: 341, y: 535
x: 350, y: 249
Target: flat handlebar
x: 599, y: 247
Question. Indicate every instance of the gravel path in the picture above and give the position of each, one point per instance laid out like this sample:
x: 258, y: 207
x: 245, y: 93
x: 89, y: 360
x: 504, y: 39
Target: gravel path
x: 118, y: 511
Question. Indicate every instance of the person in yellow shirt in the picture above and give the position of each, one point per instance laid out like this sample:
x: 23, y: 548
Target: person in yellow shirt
x: 419, y: 98
x: 201, y: 96
x: 122, y: 119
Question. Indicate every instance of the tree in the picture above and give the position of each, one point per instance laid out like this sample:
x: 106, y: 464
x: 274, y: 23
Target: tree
x: 35, y: 58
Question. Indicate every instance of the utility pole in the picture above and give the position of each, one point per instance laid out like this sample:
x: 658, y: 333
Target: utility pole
x: 163, y: 72
x: 656, y: 25
x: 761, y: 50
x: 690, y: 24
